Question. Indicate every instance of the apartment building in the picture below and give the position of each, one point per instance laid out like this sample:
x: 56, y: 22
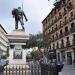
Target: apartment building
x: 59, y: 26
x: 3, y: 41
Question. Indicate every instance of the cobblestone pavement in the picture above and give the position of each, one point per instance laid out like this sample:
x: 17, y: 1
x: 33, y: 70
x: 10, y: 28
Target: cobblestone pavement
x: 68, y: 70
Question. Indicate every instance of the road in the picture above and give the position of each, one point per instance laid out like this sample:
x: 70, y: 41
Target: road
x: 68, y: 70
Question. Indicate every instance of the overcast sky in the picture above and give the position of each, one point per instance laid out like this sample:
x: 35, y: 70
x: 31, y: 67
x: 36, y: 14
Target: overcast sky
x: 35, y: 10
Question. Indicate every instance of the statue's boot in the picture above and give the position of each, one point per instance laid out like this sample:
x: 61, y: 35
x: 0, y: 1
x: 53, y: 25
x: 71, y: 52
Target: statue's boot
x: 23, y: 27
x: 16, y: 27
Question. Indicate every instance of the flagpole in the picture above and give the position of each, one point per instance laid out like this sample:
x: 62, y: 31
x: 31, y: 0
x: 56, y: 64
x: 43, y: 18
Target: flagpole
x: 22, y: 10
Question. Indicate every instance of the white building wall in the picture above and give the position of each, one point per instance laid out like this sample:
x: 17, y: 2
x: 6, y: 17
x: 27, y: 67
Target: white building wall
x: 3, y: 41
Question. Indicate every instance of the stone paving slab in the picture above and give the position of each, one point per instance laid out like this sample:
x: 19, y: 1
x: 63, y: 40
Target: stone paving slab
x: 68, y: 70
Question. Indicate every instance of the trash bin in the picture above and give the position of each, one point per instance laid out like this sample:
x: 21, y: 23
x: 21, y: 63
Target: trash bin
x: 59, y: 67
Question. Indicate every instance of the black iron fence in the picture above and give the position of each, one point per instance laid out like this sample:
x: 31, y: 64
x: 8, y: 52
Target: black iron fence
x: 21, y: 70
x: 47, y: 69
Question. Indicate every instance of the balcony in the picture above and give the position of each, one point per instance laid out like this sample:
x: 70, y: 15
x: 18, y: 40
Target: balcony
x: 62, y: 45
x: 69, y: 7
x: 65, y: 12
x: 60, y: 17
x: 60, y: 26
x: 57, y: 46
x: 65, y: 22
x: 66, y: 33
x: 56, y: 38
x: 71, y: 18
x: 61, y: 35
x: 55, y: 20
x: 67, y: 43
x: 74, y: 42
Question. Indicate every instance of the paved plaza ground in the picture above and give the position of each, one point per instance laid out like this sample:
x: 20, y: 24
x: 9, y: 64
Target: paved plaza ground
x: 68, y: 70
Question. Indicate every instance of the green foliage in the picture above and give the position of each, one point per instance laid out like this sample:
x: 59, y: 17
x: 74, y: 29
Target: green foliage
x: 31, y: 42
x: 35, y: 41
x: 28, y: 57
x: 36, y: 55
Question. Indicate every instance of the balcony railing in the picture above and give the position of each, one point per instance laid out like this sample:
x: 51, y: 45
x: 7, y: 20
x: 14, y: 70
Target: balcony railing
x: 60, y: 26
x: 60, y: 17
x: 74, y: 42
x: 66, y: 22
x: 61, y: 35
x: 55, y: 20
x: 70, y: 7
x: 71, y: 18
x: 65, y: 12
x: 57, y: 46
x: 67, y: 43
x: 62, y: 45
x: 66, y: 33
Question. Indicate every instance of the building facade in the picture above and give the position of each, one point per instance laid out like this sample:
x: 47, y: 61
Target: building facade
x: 59, y: 26
x: 3, y: 41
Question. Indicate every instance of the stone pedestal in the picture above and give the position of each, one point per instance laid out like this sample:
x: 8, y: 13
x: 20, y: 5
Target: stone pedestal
x: 17, y: 51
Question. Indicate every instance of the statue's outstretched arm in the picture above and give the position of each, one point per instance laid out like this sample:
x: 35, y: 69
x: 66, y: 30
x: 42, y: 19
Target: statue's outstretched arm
x: 25, y: 16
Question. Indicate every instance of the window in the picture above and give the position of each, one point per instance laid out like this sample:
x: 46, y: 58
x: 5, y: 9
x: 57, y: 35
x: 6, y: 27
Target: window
x: 65, y: 19
x: 53, y: 37
x: 66, y: 29
x: 56, y: 26
x: 72, y: 25
x: 49, y: 30
x: 56, y: 35
x: 52, y: 28
x: 55, y: 18
x: 60, y: 31
x: 65, y: 10
x: 62, y: 41
x: 50, y: 46
x: 74, y: 39
x: 60, y: 23
x: 60, y: 14
x: 67, y: 38
x: 74, y: 36
x: 55, y: 11
x: 71, y: 14
x: 70, y: 4
x: 52, y: 21
x: 57, y: 45
x: 53, y: 46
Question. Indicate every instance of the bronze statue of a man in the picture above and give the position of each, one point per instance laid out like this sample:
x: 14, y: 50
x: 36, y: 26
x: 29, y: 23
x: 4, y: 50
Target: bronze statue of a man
x: 18, y: 15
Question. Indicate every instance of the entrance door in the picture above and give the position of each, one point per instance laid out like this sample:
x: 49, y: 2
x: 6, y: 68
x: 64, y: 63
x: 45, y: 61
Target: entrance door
x: 69, y: 58
x: 63, y: 56
x: 58, y: 57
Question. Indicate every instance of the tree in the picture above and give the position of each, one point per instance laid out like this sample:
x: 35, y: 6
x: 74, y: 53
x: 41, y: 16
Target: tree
x: 36, y: 54
x: 35, y: 41
x: 32, y: 42
x: 29, y: 57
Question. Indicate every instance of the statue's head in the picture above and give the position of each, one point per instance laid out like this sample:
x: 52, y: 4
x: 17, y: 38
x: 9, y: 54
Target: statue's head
x: 19, y: 7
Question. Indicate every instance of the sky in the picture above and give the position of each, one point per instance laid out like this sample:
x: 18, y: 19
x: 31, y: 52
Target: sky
x: 35, y: 10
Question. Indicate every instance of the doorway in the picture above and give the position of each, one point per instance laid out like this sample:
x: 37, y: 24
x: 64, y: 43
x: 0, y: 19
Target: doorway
x: 69, y: 58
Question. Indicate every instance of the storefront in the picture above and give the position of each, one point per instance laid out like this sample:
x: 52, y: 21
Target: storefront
x: 69, y: 58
